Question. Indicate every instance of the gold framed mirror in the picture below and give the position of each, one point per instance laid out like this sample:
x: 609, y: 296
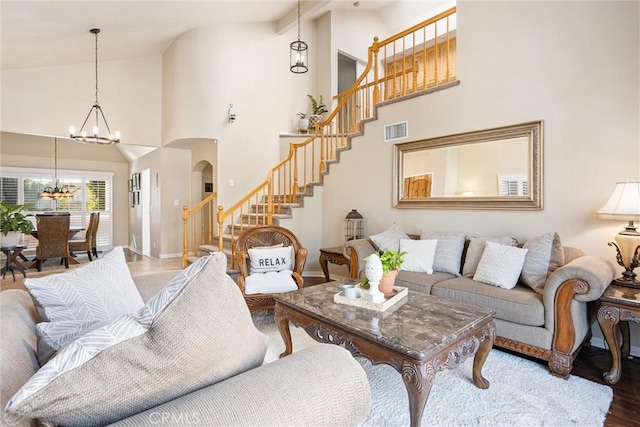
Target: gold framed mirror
x: 498, y: 168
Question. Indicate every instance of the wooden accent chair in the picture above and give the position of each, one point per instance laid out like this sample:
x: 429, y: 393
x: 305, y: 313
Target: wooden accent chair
x: 53, y: 238
x: 267, y: 237
x: 86, y: 244
x: 94, y: 235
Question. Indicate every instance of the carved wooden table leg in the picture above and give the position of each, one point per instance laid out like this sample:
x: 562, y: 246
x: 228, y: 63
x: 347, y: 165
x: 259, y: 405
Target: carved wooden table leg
x: 481, y: 357
x: 625, y: 349
x: 418, y: 385
x: 283, y: 326
x: 608, y: 318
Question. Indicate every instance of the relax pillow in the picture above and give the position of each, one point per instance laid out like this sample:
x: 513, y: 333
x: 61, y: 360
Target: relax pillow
x: 500, y: 265
x: 389, y: 240
x: 419, y: 255
x: 272, y: 258
x: 192, y: 334
x: 448, y: 252
x: 475, y: 249
x: 544, y: 257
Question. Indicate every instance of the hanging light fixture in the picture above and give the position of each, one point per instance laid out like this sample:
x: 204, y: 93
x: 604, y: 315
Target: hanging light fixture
x: 94, y: 137
x: 299, y: 53
x: 56, y: 192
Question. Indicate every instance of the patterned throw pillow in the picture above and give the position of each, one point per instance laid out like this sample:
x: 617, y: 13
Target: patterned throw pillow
x: 448, y: 252
x: 500, y: 265
x: 545, y: 256
x: 475, y: 249
x: 389, y: 240
x: 419, y: 255
x: 273, y: 258
x: 196, y: 332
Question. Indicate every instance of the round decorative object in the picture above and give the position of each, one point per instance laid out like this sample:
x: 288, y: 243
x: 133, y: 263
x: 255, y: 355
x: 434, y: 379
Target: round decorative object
x: 313, y: 119
x: 373, y: 269
x: 387, y: 283
x: 303, y: 125
x: 11, y: 239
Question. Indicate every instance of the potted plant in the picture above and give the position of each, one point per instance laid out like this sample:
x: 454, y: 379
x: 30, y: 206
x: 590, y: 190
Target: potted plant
x: 391, y: 263
x: 303, y: 123
x: 13, y: 223
x: 318, y: 108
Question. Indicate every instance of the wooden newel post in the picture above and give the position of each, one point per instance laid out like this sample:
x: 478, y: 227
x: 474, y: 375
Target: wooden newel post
x: 376, y: 90
x: 220, y: 226
x: 185, y: 240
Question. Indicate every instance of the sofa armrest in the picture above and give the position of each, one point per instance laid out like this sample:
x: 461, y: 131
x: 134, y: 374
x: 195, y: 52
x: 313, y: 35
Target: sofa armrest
x: 334, y: 391
x: 356, y: 251
x: 596, y: 272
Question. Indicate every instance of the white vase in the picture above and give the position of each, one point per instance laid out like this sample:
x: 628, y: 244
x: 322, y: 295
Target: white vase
x: 11, y: 240
x: 303, y: 125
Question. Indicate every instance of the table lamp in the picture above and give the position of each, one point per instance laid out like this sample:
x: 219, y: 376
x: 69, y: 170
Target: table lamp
x: 624, y: 205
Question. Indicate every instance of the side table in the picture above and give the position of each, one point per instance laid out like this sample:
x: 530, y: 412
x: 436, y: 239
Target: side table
x: 336, y: 256
x: 12, y: 253
x: 617, y: 306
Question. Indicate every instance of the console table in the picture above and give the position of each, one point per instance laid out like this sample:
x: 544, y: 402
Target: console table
x: 335, y: 255
x: 617, y: 307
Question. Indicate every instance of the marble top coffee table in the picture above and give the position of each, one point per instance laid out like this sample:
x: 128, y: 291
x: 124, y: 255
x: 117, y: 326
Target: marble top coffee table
x: 418, y: 337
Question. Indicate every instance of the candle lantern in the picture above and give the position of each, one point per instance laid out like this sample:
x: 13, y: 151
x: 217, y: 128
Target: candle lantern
x: 353, y: 226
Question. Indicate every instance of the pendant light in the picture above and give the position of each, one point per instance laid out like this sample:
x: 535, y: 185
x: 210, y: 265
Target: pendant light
x: 299, y: 52
x: 94, y: 137
x: 56, y: 192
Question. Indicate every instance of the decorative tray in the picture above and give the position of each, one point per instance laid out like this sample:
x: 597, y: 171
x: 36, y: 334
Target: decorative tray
x: 400, y: 295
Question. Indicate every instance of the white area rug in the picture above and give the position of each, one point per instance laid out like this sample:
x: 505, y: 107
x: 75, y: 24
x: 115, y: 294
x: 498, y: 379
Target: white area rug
x: 521, y: 392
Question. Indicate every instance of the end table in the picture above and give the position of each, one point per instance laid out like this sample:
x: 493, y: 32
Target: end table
x: 618, y: 306
x: 336, y: 256
x: 12, y: 253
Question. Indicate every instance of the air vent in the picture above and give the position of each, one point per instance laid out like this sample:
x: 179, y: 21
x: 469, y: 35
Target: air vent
x: 396, y: 131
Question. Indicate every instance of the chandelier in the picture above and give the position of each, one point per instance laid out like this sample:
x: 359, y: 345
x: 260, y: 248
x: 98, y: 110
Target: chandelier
x: 94, y: 137
x: 299, y: 54
x: 56, y: 192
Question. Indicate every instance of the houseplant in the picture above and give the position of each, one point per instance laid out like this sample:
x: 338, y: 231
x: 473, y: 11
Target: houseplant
x: 13, y: 223
x: 391, y: 263
x: 318, y: 108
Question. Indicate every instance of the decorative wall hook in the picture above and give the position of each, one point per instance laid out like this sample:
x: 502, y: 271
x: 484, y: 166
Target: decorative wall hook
x: 231, y: 117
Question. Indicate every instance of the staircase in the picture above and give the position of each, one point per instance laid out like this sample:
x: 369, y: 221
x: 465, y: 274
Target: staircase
x: 409, y: 63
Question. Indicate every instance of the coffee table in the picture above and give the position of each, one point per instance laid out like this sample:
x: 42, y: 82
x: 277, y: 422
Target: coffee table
x: 418, y: 337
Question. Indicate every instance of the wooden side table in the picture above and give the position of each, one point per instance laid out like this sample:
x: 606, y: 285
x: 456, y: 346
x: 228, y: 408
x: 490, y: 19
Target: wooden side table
x: 12, y: 264
x: 336, y: 256
x: 618, y: 306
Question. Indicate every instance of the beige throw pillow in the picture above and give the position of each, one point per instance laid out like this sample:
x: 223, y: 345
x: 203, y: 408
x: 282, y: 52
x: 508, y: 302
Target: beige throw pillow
x: 448, y: 252
x: 475, y: 249
x: 544, y: 257
x: 389, y: 240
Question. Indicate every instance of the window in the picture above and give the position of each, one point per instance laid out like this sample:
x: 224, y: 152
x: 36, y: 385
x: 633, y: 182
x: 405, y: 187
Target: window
x: 91, y: 193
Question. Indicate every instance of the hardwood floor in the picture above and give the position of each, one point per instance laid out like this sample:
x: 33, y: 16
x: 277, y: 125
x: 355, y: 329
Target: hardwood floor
x: 591, y: 363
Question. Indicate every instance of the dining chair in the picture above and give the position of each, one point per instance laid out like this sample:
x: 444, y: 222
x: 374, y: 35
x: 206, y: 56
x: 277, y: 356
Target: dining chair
x: 85, y: 244
x: 94, y: 235
x: 53, y: 238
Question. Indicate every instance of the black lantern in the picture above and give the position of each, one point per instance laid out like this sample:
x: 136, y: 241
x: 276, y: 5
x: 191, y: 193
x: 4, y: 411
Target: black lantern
x: 299, y: 52
x: 353, y: 225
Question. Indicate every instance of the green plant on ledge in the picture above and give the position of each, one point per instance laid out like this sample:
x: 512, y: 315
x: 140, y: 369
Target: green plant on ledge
x: 302, y: 115
x: 391, y: 260
x: 12, y: 219
x: 317, y: 106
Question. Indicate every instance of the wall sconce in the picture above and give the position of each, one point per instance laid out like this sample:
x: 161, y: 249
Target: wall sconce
x: 231, y: 117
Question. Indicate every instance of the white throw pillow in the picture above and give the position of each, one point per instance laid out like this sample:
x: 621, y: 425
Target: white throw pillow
x: 500, y: 265
x: 419, y: 255
x: 545, y: 256
x: 272, y: 282
x: 265, y: 259
x: 389, y: 240
x: 475, y: 249
x: 448, y: 252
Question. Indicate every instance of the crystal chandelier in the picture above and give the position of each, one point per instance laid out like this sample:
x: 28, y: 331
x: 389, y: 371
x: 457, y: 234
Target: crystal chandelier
x: 299, y: 53
x: 56, y: 192
x: 94, y: 137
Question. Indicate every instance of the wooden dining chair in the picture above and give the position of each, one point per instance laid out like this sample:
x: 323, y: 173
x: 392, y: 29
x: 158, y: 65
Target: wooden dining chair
x: 53, y: 239
x: 86, y: 244
x: 94, y: 235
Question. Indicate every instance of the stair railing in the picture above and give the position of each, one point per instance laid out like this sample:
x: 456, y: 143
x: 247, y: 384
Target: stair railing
x: 419, y: 58
x: 198, y: 226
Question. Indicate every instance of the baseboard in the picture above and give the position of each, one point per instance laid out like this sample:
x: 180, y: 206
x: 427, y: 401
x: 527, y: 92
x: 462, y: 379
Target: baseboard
x: 167, y: 256
x: 600, y: 342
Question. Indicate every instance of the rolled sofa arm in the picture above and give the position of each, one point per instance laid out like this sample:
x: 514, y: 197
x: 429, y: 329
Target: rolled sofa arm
x: 595, y: 271
x: 356, y: 251
x: 335, y: 391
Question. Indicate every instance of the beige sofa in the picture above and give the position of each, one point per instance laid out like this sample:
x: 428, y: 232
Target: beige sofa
x: 271, y: 394
x: 551, y: 326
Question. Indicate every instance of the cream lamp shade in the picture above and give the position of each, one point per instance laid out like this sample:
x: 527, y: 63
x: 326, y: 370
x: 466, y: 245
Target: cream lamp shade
x: 624, y: 205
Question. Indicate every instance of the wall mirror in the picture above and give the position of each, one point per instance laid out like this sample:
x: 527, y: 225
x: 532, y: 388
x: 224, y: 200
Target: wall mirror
x: 498, y: 168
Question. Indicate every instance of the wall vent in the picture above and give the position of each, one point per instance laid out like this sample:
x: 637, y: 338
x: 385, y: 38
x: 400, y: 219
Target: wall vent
x: 396, y: 131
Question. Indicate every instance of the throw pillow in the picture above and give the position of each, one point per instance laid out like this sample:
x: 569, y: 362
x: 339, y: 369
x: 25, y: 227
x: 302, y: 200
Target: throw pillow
x: 475, y: 249
x: 448, y: 252
x: 545, y: 256
x: 419, y: 255
x: 265, y: 259
x: 389, y: 240
x: 500, y: 265
x: 272, y: 282
x: 187, y: 337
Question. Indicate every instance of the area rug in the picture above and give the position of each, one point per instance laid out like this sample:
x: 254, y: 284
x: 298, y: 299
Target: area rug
x: 521, y: 392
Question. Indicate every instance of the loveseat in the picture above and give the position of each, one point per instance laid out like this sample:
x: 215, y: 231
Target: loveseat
x: 551, y: 323
x: 320, y: 385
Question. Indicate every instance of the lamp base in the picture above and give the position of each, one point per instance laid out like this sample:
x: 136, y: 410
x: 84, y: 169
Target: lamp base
x: 621, y: 281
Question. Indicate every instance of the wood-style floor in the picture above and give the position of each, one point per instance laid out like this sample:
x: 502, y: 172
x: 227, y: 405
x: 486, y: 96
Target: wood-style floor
x: 590, y: 364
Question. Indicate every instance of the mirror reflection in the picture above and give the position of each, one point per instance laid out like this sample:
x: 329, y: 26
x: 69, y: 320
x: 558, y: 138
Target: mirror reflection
x: 488, y: 169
